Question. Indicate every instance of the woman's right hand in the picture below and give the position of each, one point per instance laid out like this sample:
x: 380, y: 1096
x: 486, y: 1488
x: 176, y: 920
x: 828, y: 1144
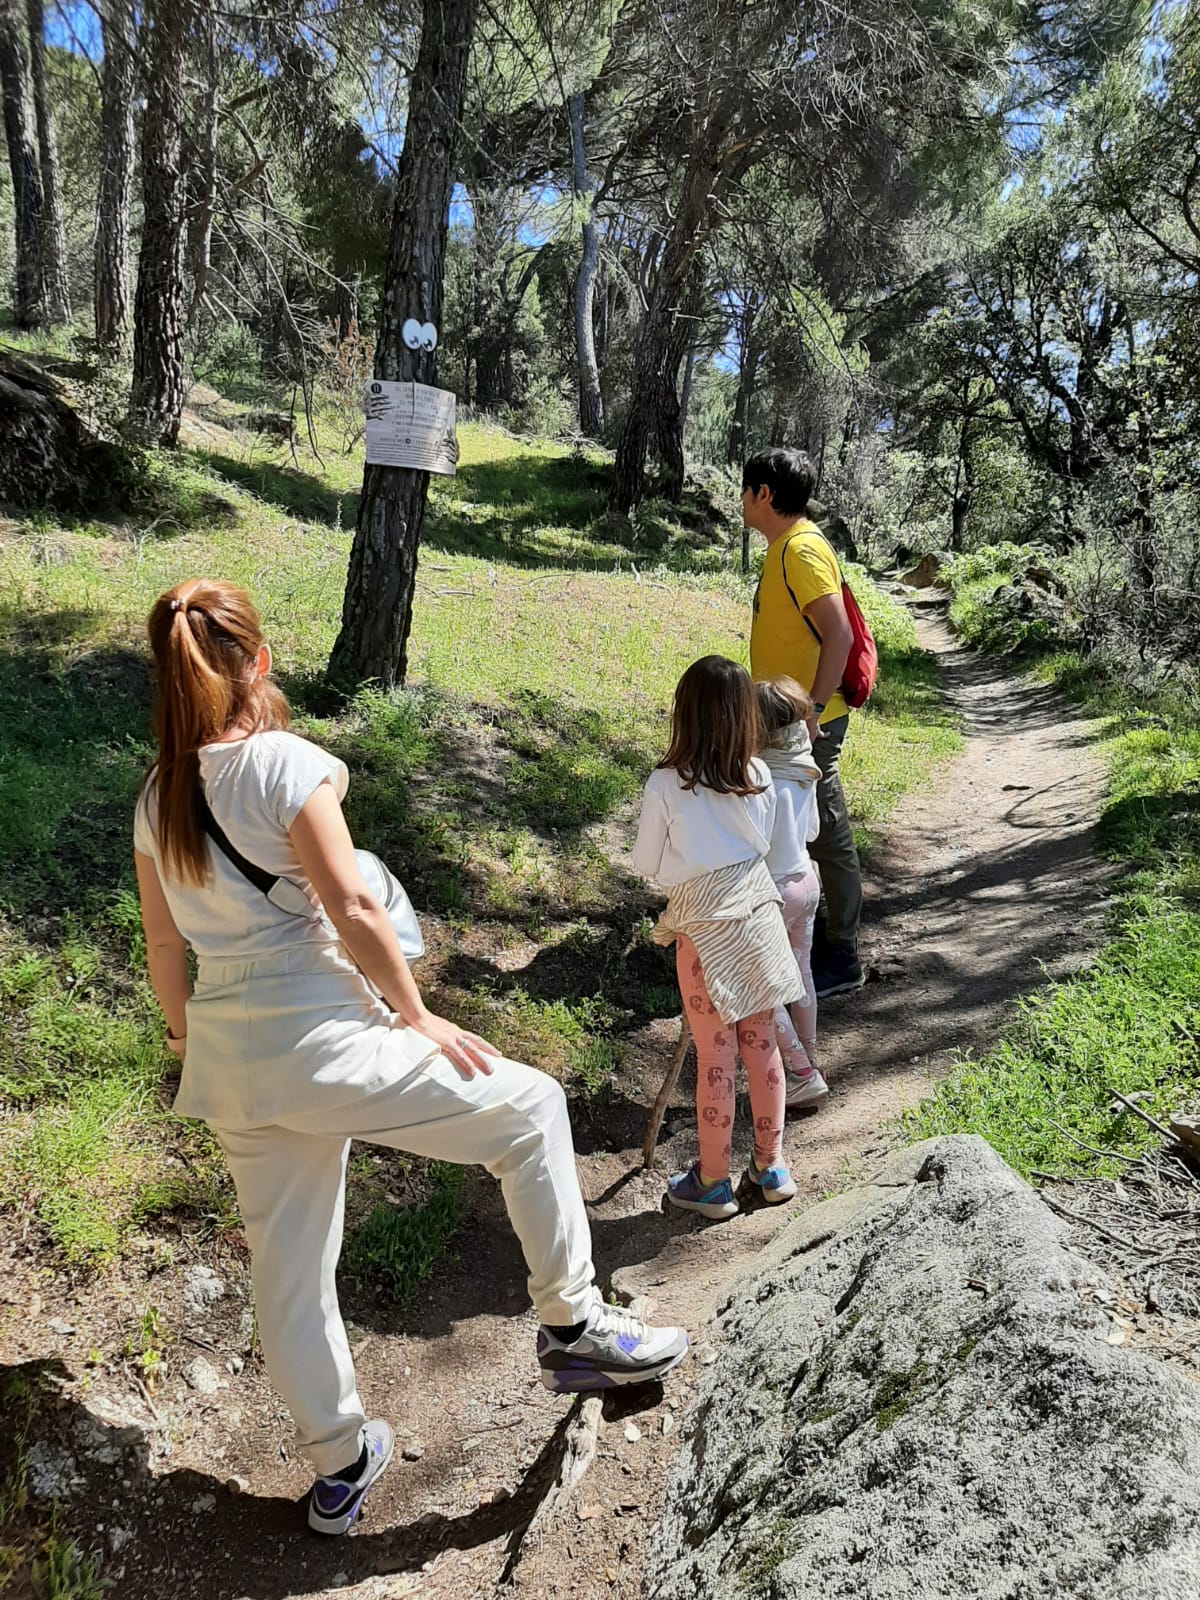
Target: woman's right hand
x: 465, y: 1050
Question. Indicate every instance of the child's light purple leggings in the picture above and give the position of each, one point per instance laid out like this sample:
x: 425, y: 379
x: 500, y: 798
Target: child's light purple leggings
x: 718, y: 1046
x: 796, y: 1028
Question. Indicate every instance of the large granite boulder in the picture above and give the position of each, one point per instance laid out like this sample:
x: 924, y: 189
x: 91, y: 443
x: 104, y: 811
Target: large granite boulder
x: 913, y: 1402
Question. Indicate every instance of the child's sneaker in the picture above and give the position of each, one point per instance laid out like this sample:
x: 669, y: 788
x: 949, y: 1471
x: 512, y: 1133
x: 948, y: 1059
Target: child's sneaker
x: 687, y: 1192
x: 775, y: 1181
x: 334, y: 1502
x: 614, y: 1349
x: 803, y: 1088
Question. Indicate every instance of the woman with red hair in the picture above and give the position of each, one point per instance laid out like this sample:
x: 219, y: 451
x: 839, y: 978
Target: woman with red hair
x: 305, y: 1029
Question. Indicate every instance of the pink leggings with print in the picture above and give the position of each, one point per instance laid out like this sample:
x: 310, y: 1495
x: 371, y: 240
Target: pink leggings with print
x: 717, y: 1048
x: 796, y: 1028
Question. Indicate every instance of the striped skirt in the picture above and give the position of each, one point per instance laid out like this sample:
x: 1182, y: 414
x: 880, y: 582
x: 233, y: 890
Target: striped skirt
x: 732, y: 917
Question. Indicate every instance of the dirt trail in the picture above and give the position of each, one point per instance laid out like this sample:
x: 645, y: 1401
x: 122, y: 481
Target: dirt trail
x: 987, y: 880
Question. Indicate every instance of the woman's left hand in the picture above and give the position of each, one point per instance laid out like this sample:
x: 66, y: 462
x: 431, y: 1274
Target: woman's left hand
x: 465, y: 1050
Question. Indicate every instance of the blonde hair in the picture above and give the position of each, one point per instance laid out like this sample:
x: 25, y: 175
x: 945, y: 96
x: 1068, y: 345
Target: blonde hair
x: 781, y: 701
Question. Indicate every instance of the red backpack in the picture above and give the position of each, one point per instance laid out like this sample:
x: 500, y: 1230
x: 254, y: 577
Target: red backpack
x: 862, y: 664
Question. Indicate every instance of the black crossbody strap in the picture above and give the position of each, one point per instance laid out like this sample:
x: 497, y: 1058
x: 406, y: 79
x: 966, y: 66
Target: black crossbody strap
x: 262, y: 880
x: 792, y: 592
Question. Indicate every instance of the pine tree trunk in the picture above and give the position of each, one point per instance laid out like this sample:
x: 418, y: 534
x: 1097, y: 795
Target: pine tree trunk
x: 204, y: 167
x: 115, y: 192
x: 377, y: 610
x: 591, y: 404
x: 55, y: 282
x: 23, y: 165
x: 667, y: 329
x: 156, y: 401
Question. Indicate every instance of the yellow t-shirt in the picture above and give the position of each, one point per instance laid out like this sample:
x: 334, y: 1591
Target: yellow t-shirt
x: 781, y: 641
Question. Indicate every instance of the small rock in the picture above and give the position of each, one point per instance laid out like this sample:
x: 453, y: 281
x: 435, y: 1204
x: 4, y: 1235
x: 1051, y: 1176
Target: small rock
x: 632, y: 1432
x: 203, y: 1376
x: 340, y: 1580
x: 234, y: 1365
x: 707, y: 1356
x: 204, y: 1503
x: 118, y: 1538
x: 58, y: 1326
x: 52, y: 1472
x: 587, y: 1513
x: 201, y: 1288
x: 668, y: 1422
x: 413, y: 1450
x: 237, y: 1485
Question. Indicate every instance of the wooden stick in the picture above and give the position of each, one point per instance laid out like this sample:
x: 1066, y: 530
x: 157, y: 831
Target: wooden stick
x: 1088, y: 1222
x: 659, y: 1109
x: 1116, y: 1155
x: 1151, y: 1122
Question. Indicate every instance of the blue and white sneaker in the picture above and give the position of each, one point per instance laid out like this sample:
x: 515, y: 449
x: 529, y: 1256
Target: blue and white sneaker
x: 334, y: 1502
x: 613, y: 1350
x: 687, y: 1192
x: 776, y: 1182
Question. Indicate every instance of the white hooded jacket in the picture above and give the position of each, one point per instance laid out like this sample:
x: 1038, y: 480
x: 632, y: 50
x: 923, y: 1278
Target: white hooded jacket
x: 794, y: 774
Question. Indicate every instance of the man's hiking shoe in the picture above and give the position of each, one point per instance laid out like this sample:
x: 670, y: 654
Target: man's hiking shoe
x: 687, y: 1192
x: 803, y: 1088
x: 334, y: 1503
x: 836, y: 971
x: 613, y: 1350
x: 774, y: 1182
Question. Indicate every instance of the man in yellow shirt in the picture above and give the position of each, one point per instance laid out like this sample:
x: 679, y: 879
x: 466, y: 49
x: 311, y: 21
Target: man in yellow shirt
x: 800, y: 628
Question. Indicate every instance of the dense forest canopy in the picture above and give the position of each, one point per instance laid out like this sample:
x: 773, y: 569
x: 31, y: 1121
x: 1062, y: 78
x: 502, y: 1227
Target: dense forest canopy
x: 949, y: 249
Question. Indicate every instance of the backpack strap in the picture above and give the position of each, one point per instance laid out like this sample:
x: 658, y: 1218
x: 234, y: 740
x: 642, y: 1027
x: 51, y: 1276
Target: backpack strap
x: 792, y: 592
x: 262, y: 880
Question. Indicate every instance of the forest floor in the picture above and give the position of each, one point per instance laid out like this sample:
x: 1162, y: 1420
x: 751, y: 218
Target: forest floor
x: 985, y: 885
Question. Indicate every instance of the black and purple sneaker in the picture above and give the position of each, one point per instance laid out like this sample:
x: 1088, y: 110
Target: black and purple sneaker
x: 614, y: 1349
x: 335, y: 1502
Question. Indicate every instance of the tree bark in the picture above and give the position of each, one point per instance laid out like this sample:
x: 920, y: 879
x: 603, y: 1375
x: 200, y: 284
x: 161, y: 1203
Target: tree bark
x: 377, y: 609
x: 667, y: 328
x: 55, y: 280
x: 115, y: 192
x: 28, y: 302
x: 591, y: 403
x: 748, y: 358
x: 156, y: 401
x: 204, y: 166
x: 55, y: 290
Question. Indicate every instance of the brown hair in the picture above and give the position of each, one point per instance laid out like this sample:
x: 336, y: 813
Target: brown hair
x: 205, y: 637
x: 781, y: 701
x: 715, y: 728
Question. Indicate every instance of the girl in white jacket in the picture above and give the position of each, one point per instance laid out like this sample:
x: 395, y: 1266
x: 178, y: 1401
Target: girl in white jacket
x: 705, y: 831
x: 785, y: 710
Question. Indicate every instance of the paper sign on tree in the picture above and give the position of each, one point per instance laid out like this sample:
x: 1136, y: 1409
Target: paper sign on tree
x: 410, y: 425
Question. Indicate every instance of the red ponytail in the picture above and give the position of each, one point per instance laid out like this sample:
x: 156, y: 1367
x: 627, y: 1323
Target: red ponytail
x: 205, y: 637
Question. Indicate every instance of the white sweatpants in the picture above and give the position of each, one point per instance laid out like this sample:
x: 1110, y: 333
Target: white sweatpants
x: 290, y: 1180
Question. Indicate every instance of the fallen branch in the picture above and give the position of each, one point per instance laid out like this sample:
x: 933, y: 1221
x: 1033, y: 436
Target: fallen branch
x: 659, y: 1109
x: 1087, y: 1222
x: 1151, y: 1122
x: 1094, y: 1149
x: 579, y: 1451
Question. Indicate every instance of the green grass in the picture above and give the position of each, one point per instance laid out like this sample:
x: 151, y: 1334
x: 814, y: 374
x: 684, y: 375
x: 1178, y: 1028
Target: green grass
x: 395, y: 1249
x: 32, y: 1546
x: 548, y: 638
x: 1131, y: 1021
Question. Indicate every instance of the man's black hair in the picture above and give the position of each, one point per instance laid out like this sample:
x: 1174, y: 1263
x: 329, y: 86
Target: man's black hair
x: 787, y: 473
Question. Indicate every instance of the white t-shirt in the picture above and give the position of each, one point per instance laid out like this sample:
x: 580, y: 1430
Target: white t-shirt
x: 255, y: 788
x: 683, y: 833
x: 797, y: 823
